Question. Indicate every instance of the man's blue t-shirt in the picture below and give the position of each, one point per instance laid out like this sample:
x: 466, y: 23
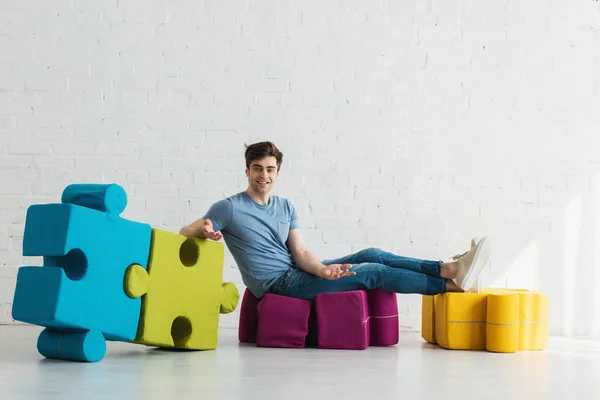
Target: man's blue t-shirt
x: 255, y: 235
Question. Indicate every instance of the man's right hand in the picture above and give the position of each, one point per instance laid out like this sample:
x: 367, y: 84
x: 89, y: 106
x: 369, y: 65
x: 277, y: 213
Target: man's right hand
x: 335, y: 271
x: 209, y: 232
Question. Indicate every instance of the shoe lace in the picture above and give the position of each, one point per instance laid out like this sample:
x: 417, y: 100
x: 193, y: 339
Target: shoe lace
x: 457, y: 256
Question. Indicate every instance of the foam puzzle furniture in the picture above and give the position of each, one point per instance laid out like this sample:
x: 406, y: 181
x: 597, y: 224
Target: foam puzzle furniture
x: 183, y: 292
x: 346, y: 320
x: 497, y: 320
x: 282, y: 321
x: 108, y: 278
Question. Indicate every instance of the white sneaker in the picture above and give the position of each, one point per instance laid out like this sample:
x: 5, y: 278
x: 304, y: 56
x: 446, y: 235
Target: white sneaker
x: 471, y: 263
x: 473, y: 244
x: 476, y: 288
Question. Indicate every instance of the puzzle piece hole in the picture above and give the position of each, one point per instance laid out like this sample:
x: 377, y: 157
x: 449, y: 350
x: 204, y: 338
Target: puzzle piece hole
x: 181, y: 330
x: 74, y: 263
x: 189, y: 252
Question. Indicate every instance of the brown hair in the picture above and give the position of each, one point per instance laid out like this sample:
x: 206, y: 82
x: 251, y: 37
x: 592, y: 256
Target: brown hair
x: 258, y: 151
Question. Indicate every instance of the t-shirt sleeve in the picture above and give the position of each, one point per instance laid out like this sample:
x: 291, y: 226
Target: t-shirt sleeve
x: 294, y: 217
x: 220, y: 214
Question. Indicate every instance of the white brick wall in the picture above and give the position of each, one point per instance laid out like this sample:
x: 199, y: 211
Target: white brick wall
x: 409, y: 126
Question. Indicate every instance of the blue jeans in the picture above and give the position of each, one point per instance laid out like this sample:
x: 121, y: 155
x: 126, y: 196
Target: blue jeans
x: 375, y: 269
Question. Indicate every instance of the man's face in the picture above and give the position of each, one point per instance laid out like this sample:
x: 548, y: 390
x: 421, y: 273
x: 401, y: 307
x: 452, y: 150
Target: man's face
x: 262, y: 174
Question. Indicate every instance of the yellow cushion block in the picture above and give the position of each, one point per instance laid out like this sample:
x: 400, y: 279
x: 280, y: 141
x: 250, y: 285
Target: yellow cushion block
x: 502, y: 323
x: 184, y: 293
x: 533, y: 317
x: 499, y: 320
x: 460, y: 320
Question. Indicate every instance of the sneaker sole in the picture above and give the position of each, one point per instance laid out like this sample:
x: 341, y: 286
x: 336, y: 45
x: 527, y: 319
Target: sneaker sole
x: 480, y: 260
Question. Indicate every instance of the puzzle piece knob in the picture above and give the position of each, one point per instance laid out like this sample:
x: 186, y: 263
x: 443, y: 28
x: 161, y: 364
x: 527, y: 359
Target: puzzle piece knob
x: 87, y: 346
x: 110, y: 198
x: 136, y: 281
x: 231, y: 297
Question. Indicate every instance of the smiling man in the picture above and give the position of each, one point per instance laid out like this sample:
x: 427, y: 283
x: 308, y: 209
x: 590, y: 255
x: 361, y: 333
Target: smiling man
x: 261, y: 232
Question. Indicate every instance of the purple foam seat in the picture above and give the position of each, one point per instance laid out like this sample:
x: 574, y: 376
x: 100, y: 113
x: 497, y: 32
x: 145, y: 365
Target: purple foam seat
x: 343, y: 320
x: 346, y: 320
x: 282, y: 321
x: 383, y: 318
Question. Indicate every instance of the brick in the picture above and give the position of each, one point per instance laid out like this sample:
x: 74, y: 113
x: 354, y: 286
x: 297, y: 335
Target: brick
x: 8, y: 122
x: 166, y: 206
x: 93, y: 135
x: 96, y: 162
x: 51, y: 135
x: 219, y: 165
x: 49, y: 161
x: 135, y: 163
x: 28, y: 148
x: 73, y: 148
x: 137, y: 176
x: 117, y: 149
x: 63, y: 175
x: 139, y: 136
x: 343, y: 237
x: 149, y: 190
x: 201, y: 206
x: 199, y: 192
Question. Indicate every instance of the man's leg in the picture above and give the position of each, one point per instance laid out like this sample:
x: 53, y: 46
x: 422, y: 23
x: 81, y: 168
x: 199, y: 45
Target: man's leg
x: 368, y: 276
x: 438, y: 269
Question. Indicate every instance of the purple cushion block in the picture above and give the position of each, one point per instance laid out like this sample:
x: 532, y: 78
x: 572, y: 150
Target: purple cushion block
x: 282, y: 321
x: 383, y: 313
x: 343, y: 320
x: 248, y: 318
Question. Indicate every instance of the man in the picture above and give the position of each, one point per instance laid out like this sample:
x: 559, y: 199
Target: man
x: 261, y: 232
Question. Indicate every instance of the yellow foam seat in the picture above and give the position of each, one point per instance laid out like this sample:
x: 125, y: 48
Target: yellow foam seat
x: 502, y: 323
x: 498, y: 320
x: 183, y: 292
x: 460, y: 321
x: 533, y: 317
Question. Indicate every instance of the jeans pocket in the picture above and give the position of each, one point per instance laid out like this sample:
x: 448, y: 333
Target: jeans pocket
x: 280, y: 284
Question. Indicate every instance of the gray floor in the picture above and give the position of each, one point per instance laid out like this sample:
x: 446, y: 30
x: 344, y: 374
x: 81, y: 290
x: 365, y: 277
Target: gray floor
x: 410, y: 370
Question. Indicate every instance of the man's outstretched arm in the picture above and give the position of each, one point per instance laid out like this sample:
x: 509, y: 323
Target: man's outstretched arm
x: 202, y: 228
x: 307, y: 261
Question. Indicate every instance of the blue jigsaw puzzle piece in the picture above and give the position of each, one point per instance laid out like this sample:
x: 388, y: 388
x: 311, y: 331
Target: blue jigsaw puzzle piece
x: 87, y: 249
